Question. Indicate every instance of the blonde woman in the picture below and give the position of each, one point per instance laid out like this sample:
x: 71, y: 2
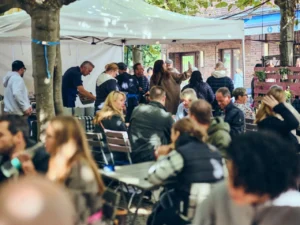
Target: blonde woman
x: 111, y: 116
x: 105, y: 84
x: 187, y: 96
x: 72, y: 165
x: 267, y: 115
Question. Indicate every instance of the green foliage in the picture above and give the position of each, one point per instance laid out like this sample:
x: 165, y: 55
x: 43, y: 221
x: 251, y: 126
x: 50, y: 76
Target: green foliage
x: 261, y: 75
x: 150, y: 53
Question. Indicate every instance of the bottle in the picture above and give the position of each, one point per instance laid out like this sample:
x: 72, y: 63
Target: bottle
x: 12, y: 167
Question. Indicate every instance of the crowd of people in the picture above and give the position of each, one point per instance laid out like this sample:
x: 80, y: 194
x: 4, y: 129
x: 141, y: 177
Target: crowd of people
x: 194, y: 135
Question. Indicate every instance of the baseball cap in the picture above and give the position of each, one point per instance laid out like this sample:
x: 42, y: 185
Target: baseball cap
x: 169, y: 61
x: 17, y: 65
x: 122, y: 66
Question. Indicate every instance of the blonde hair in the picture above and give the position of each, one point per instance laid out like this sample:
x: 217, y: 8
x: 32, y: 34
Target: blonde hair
x: 111, y: 67
x: 66, y: 130
x: 187, y: 125
x: 188, y: 93
x: 265, y: 110
x: 109, y: 108
x: 220, y: 66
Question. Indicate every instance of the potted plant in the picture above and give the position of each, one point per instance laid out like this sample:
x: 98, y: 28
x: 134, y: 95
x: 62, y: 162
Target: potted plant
x: 261, y: 75
x: 288, y: 94
x: 284, y: 72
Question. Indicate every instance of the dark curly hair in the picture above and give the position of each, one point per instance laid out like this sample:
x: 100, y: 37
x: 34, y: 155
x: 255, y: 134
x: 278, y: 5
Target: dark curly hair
x: 159, y: 72
x: 263, y: 163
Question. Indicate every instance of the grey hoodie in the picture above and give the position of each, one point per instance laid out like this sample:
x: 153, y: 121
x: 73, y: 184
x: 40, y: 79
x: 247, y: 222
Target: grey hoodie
x: 16, y: 99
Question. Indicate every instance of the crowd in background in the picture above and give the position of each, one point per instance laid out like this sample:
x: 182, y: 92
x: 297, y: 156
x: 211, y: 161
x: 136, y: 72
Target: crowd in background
x: 187, y: 133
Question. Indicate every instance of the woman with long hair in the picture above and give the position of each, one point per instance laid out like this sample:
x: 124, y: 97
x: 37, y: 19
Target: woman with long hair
x: 170, y: 81
x: 202, y: 89
x: 274, y: 116
x: 106, y: 83
x: 189, y: 161
x: 72, y: 165
x: 111, y: 116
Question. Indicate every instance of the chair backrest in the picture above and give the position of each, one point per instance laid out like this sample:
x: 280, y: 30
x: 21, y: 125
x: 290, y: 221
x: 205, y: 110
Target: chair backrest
x: 94, y: 139
x: 250, y: 125
x: 118, y: 141
x: 111, y: 202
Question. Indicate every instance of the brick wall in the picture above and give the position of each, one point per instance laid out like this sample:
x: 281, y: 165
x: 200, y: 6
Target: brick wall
x: 254, y: 51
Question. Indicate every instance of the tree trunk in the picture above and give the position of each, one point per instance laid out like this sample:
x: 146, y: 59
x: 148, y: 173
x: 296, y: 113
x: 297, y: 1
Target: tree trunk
x: 137, y: 56
x: 57, y: 81
x: 287, y: 11
x: 45, y: 27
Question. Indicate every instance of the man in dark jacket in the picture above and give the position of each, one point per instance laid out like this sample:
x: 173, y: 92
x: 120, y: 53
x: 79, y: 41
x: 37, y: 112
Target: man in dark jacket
x: 14, y: 139
x: 233, y: 115
x: 143, y: 81
x: 150, y: 127
x: 130, y: 86
x: 217, y: 80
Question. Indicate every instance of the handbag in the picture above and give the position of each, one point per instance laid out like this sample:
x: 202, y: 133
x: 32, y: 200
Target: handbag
x: 85, y: 100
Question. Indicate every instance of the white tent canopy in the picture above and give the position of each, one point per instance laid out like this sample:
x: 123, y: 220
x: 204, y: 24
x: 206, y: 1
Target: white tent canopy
x: 132, y: 20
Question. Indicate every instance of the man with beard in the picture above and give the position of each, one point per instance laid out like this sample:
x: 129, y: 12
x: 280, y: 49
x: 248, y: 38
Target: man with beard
x: 16, y: 99
x: 14, y: 139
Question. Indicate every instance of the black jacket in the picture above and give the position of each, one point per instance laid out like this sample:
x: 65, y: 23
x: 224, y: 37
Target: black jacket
x: 282, y: 128
x: 236, y: 119
x: 128, y: 83
x: 150, y: 127
x: 40, y: 160
x: 203, y: 91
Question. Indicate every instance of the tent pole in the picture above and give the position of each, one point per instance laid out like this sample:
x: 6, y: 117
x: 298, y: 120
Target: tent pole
x: 244, y: 61
x: 123, y: 51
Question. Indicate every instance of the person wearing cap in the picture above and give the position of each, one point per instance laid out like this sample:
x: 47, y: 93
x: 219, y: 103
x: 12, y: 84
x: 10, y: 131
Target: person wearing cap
x: 130, y: 86
x: 16, y: 99
x: 72, y: 84
x: 170, y: 68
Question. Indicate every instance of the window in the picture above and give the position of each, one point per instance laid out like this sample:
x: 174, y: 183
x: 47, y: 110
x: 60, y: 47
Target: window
x: 231, y: 60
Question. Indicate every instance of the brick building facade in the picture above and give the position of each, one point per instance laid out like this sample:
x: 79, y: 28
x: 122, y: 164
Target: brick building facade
x: 212, y: 52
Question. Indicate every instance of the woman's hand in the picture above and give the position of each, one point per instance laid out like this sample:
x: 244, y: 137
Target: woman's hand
x: 26, y: 162
x: 163, y: 150
x: 270, y: 101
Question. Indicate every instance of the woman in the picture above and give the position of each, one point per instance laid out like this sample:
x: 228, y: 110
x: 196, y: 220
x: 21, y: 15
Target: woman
x: 170, y: 82
x: 105, y: 84
x: 72, y: 165
x: 202, y: 89
x: 111, y: 117
x: 267, y: 117
x: 238, y: 79
x: 241, y: 98
x: 191, y: 161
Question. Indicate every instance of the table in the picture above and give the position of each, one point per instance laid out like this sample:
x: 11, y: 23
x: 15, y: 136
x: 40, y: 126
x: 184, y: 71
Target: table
x: 134, y: 175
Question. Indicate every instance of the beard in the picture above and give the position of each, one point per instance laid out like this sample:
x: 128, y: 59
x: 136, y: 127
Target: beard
x: 8, y: 149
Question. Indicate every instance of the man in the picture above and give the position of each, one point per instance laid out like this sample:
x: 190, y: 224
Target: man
x: 72, y: 84
x: 233, y: 115
x: 14, y: 139
x: 261, y: 189
x: 16, y: 99
x: 217, y: 80
x: 130, y: 85
x: 144, y: 84
x: 150, y: 127
x: 35, y: 200
x: 252, y: 81
x: 187, y: 96
x: 170, y: 68
x: 217, y: 129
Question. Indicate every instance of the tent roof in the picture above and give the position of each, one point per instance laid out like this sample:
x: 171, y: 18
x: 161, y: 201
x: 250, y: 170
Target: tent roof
x: 133, y: 20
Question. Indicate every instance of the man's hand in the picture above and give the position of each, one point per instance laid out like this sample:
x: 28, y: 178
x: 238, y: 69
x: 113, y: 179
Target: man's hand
x: 28, y: 111
x: 26, y: 162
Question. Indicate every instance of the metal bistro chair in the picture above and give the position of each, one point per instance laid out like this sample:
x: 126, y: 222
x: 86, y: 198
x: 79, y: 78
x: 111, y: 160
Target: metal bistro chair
x: 118, y: 141
x: 96, y: 140
x: 250, y: 126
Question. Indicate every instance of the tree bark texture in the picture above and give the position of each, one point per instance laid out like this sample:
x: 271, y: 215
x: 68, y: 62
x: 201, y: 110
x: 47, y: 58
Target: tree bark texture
x: 137, y: 54
x: 287, y: 11
x: 44, y: 25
